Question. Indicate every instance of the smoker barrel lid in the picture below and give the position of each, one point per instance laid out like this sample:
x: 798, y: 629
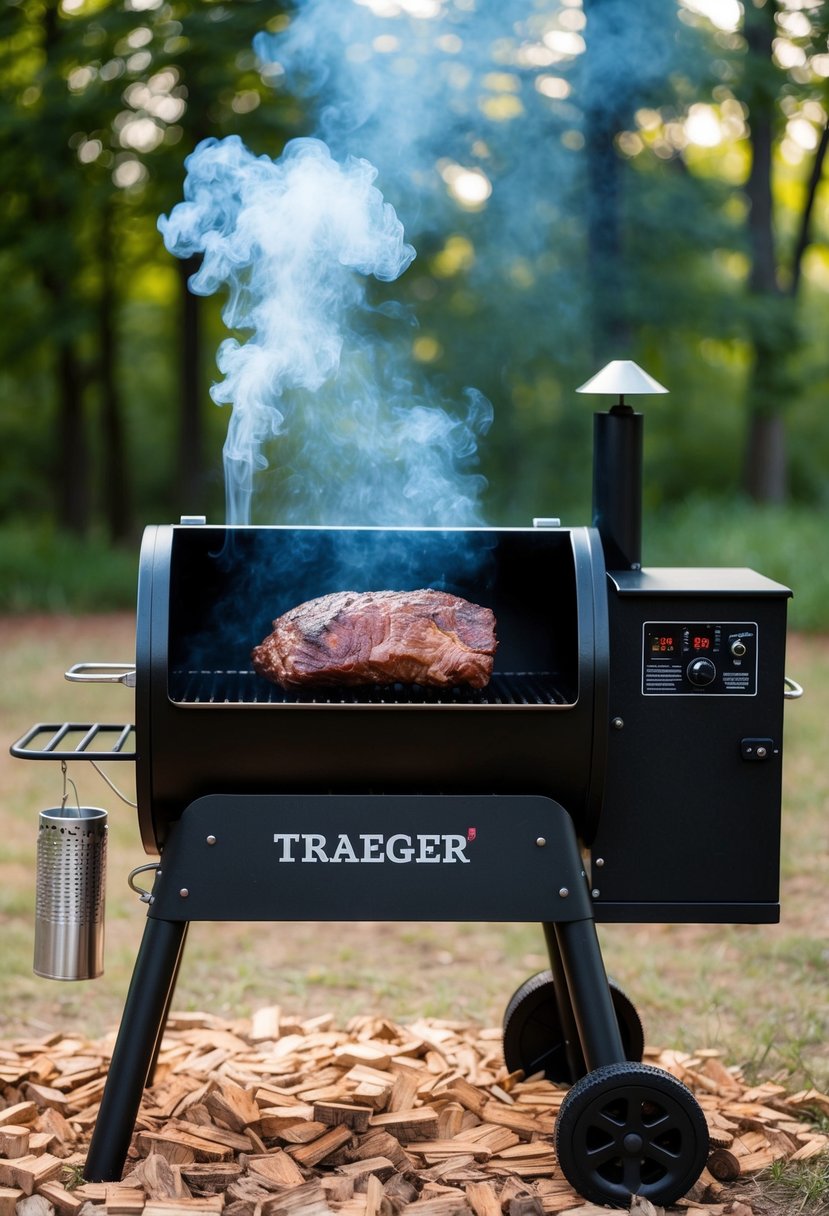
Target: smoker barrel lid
x: 622, y: 376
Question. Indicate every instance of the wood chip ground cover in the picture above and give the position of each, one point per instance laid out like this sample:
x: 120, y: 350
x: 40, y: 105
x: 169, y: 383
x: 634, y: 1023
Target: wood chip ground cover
x: 272, y: 1116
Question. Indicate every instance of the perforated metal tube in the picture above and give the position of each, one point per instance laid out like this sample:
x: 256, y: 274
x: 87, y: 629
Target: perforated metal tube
x: 70, y: 893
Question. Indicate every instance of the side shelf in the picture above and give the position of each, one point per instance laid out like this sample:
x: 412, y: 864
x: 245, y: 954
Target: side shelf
x: 76, y: 741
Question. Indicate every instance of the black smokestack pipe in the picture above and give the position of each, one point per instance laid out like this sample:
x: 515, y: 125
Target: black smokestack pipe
x: 617, y: 463
x: 617, y: 485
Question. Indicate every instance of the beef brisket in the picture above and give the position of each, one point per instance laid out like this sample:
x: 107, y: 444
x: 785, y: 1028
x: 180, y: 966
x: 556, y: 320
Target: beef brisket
x: 380, y: 637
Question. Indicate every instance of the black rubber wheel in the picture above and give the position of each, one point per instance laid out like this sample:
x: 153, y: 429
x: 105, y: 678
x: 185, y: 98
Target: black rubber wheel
x: 630, y: 1129
x: 533, y: 1037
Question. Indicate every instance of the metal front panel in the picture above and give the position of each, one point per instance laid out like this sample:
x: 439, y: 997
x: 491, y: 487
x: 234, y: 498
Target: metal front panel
x: 690, y: 825
x: 699, y: 658
x: 282, y: 857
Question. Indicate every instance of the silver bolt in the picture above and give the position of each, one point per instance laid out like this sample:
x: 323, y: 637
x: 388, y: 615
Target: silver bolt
x: 184, y: 892
x: 595, y: 892
x: 563, y: 892
x: 762, y: 752
x: 617, y: 723
x: 541, y: 841
x: 599, y: 862
x: 211, y: 839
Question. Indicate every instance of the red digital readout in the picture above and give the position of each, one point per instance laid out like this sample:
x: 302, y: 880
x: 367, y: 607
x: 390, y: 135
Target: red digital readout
x: 701, y: 643
x: 662, y: 645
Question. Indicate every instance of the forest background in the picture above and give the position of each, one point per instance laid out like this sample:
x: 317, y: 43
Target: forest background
x: 582, y: 180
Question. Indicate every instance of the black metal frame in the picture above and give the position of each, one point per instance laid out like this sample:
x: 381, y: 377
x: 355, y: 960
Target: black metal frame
x: 522, y: 861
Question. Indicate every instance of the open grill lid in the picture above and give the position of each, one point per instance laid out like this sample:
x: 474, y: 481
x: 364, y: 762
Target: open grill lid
x: 226, y: 587
x: 206, y: 723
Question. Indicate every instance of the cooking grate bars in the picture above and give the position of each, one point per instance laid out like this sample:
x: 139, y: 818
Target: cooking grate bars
x: 247, y: 688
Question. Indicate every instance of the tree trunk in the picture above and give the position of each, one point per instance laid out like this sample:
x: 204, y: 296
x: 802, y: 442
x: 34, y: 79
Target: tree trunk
x: 116, y: 481
x: 190, y: 463
x: 72, y: 471
x: 771, y: 328
x: 766, y: 459
x: 72, y: 464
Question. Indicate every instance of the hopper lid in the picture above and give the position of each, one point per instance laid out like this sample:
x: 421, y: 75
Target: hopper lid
x: 622, y: 376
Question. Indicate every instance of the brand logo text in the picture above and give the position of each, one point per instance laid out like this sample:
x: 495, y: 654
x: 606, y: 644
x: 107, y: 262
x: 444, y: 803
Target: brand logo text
x: 311, y: 847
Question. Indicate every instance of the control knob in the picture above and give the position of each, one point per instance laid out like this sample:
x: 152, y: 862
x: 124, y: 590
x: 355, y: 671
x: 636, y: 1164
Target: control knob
x: 701, y: 672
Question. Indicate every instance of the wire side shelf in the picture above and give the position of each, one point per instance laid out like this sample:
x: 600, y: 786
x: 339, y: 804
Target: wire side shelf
x: 76, y: 741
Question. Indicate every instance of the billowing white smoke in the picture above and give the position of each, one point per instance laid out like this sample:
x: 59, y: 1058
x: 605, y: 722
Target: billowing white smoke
x: 325, y: 421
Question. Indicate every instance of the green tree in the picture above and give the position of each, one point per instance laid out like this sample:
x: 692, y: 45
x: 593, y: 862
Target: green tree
x: 100, y: 102
x: 734, y: 161
x: 784, y: 81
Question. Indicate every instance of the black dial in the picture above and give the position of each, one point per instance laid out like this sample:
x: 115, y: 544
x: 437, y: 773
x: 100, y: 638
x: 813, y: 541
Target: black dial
x: 701, y: 672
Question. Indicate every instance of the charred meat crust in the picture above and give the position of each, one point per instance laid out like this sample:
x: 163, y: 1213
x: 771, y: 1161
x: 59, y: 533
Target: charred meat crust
x: 380, y: 637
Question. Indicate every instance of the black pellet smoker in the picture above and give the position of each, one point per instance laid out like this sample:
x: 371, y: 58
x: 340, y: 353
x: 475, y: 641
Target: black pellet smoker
x: 623, y: 764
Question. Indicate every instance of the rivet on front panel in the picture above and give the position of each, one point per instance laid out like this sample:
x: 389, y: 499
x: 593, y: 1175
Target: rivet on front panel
x: 617, y: 723
x: 211, y: 839
x: 595, y: 893
x: 563, y: 892
x: 184, y: 892
x: 599, y: 862
x: 541, y: 841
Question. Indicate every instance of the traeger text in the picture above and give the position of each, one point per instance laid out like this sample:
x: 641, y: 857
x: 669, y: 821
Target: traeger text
x: 400, y: 848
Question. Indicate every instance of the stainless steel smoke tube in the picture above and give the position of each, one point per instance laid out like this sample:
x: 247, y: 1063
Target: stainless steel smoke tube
x: 70, y: 893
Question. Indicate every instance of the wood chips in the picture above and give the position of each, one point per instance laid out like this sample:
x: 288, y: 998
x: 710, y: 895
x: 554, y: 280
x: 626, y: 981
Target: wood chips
x: 277, y: 1117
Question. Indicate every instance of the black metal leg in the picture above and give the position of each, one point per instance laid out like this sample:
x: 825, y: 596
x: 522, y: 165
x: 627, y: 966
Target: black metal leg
x: 592, y: 1005
x: 168, y: 1006
x: 569, y: 1029
x: 140, y: 1029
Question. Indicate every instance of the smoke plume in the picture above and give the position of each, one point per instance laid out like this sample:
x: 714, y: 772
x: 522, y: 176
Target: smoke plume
x: 294, y: 240
x: 473, y: 112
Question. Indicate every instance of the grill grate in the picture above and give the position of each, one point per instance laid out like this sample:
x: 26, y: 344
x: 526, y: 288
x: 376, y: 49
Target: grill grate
x: 247, y: 688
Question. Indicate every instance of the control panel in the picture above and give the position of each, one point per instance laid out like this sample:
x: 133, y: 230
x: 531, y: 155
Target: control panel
x: 693, y: 658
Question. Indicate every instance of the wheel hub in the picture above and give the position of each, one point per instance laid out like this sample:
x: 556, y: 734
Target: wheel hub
x: 633, y: 1144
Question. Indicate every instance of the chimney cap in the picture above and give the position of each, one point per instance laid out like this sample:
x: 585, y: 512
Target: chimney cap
x: 622, y: 376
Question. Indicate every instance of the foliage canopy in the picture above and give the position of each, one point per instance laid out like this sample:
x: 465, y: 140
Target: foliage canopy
x: 584, y: 180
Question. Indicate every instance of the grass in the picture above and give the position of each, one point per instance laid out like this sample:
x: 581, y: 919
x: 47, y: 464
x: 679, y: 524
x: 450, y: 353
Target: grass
x: 48, y: 571
x: 45, y: 570
x: 800, y: 1188
x: 755, y: 992
x: 788, y: 544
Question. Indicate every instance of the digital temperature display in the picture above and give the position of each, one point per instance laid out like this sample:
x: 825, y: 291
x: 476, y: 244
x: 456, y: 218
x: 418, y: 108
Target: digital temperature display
x: 703, y: 658
x: 663, y: 643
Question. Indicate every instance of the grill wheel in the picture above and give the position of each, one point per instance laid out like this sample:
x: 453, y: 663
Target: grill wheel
x: 631, y: 1129
x: 533, y: 1036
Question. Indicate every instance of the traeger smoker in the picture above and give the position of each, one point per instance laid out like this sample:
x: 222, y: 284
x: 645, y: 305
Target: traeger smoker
x: 624, y: 764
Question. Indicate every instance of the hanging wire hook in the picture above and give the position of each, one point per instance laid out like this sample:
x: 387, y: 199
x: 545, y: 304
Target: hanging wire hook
x: 112, y: 785
x: 67, y: 781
